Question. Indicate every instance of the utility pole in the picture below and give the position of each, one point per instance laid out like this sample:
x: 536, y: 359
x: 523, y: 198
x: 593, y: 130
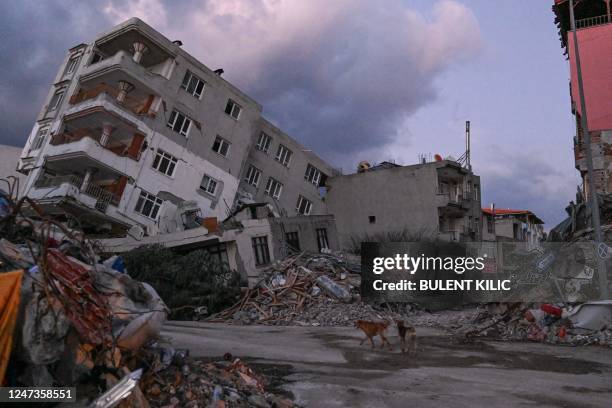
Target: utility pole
x: 592, y: 202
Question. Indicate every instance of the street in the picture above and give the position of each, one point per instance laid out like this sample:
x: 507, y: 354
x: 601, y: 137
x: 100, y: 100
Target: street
x: 326, y: 367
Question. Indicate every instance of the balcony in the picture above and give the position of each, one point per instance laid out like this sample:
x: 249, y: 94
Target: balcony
x: 137, y: 105
x: 90, y: 194
x: 593, y: 21
x: 116, y: 146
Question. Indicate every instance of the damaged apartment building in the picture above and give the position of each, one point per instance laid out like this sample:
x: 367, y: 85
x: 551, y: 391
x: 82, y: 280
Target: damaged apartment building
x: 594, y: 36
x: 139, y: 142
x: 437, y: 199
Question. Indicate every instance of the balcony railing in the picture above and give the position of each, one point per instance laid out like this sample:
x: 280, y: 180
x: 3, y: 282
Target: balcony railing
x: 103, y: 197
x: 593, y: 21
x: 137, y: 106
x: 54, y: 181
x: 120, y: 149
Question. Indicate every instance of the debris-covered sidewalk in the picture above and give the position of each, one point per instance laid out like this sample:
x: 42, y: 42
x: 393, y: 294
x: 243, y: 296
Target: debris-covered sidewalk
x: 70, y: 318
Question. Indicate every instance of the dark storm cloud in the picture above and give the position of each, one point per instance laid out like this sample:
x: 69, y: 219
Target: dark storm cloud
x: 34, y: 39
x: 341, y: 81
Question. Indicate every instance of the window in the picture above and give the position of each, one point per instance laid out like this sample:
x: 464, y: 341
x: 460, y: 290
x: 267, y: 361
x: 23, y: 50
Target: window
x: 56, y: 99
x: 209, y: 184
x: 233, y: 109
x: 313, y: 175
x: 39, y: 139
x: 293, y: 240
x: 221, y: 146
x: 179, y: 123
x: 263, y: 143
x: 72, y: 64
x: 303, y: 206
x: 283, y: 155
x: 148, y: 205
x: 164, y: 163
x: 372, y: 219
x: 252, y: 176
x: 322, y: 239
x: 193, y: 85
x: 261, y: 251
x: 274, y: 188
x: 218, y: 253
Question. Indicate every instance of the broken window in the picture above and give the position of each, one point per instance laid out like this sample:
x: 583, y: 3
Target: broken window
x: 313, y: 175
x: 303, y: 206
x: 56, y: 99
x: 261, y: 251
x: 148, y: 205
x: 39, y: 139
x: 179, y: 123
x: 252, y: 175
x: 193, y: 85
x: 283, y: 155
x: 97, y: 57
x: 164, y: 163
x: 209, y: 184
x: 293, y: 240
x: 233, y: 109
x: 372, y: 219
x: 274, y: 188
x: 221, y: 146
x: 322, y: 239
x: 263, y: 143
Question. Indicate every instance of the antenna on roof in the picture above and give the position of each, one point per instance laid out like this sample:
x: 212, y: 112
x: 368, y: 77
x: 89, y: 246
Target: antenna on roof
x: 467, y: 145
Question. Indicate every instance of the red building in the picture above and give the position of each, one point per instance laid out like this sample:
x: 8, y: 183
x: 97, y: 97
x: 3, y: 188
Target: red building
x: 594, y: 33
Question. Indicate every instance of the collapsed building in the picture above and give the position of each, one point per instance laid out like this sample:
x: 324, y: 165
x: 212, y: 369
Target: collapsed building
x: 140, y: 139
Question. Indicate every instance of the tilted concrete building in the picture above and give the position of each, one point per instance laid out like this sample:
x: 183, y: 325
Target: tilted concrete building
x: 439, y: 199
x: 137, y: 132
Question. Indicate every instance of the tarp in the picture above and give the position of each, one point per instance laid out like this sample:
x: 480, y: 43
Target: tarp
x: 10, y: 288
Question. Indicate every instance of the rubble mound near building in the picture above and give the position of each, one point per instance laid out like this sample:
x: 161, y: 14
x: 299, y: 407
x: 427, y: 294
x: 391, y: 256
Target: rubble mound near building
x: 70, y: 320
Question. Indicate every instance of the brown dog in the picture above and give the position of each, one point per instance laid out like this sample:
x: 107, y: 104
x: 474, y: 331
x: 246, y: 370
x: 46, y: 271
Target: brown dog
x: 373, y: 329
x: 402, y: 330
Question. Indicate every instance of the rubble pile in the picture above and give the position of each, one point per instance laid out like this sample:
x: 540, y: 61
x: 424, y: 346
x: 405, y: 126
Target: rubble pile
x: 577, y: 325
x: 68, y: 318
x: 188, y: 382
x: 303, y: 289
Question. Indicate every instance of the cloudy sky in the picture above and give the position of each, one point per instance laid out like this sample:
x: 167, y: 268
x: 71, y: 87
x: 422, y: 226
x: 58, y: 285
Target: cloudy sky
x: 352, y: 79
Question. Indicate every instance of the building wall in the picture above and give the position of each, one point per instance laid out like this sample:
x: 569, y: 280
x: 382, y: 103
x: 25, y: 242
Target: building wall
x: 596, y: 63
x: 292, y: 177
x: 402, y: 198
x: 306, y: 228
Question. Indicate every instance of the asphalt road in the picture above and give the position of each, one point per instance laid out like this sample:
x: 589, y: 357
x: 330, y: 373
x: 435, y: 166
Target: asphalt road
x: 326, y: 367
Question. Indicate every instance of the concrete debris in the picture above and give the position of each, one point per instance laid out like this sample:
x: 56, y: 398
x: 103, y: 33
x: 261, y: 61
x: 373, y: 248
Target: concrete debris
x: 75, y: 320
x: 303, y: 289
x: 546, y: 323
x: 191, y: 382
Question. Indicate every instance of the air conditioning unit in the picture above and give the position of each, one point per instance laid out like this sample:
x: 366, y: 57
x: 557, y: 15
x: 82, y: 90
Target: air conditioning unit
x: 136, y: 232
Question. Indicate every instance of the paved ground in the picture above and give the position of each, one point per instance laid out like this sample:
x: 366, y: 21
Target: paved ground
x: 326, y: 367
